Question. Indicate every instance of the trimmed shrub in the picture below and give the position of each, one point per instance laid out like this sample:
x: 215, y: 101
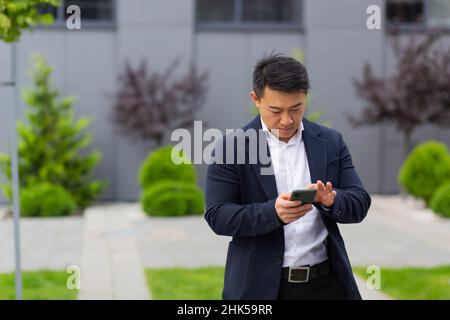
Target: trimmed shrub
x: 172, y: 198
x: 426, y: 169
x: 53, y: 144
x: 159, y: 166
x: 440, y: 203
x: 44, y: 199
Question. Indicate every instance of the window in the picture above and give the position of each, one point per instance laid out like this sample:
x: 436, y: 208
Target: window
x: 215, y: 10
x: 249, y: 13
x: 274, y: 11
x: 414, y: 13
x: 439, y: 13
x: 405, y: 11
x: 93, y: 12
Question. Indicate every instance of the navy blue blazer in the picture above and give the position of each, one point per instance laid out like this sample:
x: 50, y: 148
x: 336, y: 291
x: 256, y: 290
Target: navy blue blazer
x: 240, y: 202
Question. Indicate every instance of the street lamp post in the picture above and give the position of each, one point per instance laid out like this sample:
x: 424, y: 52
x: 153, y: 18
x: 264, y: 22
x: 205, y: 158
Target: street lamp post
x: 15, y: 173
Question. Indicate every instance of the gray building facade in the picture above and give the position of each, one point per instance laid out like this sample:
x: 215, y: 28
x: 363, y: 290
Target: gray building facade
x: 332, y: 35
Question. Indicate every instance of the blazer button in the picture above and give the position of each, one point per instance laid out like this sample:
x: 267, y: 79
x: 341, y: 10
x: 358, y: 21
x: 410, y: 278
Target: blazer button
x: 278, y: 260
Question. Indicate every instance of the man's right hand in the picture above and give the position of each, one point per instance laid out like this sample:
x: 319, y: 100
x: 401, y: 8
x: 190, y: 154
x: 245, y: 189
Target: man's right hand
x: 288, y: 210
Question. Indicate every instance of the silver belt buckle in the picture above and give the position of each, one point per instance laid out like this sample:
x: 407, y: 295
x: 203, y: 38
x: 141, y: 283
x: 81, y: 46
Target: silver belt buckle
x: 298, y: 268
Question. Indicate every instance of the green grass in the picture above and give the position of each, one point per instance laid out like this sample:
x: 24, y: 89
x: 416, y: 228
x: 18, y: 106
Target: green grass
x: 207, y: 283
x: 182, y: 283
x: 38, y: 285
x: 413, y: 283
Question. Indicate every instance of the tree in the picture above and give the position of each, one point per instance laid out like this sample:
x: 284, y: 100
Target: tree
x: 17, y: 15
x: 417, y: 92
x: 50, y: 145
x: 147, y: 106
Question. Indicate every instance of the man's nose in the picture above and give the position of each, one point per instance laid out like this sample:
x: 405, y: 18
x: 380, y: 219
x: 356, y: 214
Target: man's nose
x: 286, y: 121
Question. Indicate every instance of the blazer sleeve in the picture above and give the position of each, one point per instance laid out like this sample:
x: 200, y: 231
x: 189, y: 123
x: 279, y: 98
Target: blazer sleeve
x: 352, y: 201
x: 224, y: 212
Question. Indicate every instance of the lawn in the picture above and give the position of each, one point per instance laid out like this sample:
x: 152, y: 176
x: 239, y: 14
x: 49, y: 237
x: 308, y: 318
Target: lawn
x: 207, y: 283
x: 38, y: 285
x: 413, y: 283
x: 183, y: 283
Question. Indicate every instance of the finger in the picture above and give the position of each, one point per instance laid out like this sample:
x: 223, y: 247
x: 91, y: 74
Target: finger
x: 328, y: 187
x: 291, y: 211
x: 300, y: 214
x: 290, y: 204
x: 320, y: 186
x: 312, y: 186
x: 296, y: 211
x: 305, y: 206
x: 331, y: 195
x: 291, y: 219
x: 285, y: 195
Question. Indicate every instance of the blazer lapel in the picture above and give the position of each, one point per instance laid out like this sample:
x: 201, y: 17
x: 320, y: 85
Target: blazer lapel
x: 316, y: 152
x: 266, y: 175
x: 267, y: 179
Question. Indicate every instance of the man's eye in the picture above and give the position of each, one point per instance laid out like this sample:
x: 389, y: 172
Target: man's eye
x: 276, y: 112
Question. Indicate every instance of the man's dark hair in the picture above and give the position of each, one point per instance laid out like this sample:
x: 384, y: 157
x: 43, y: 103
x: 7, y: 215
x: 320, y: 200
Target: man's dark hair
x: 280, y: 73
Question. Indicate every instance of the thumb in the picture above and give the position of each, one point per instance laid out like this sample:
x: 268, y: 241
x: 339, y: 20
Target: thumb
x: 285, y: 195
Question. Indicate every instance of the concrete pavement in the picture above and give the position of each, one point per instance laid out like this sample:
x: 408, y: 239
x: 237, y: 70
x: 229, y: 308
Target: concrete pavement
x: 114, y: 243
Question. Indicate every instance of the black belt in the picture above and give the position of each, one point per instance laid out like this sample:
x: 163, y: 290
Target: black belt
x: 306, y: 273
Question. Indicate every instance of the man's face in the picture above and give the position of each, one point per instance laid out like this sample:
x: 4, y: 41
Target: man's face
x: 281, y: 110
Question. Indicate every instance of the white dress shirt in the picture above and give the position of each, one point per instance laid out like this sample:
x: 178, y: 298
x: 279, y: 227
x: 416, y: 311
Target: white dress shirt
x: 305, y: 238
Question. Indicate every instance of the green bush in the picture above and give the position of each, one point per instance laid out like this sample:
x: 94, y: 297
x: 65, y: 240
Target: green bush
x: 53, y: 145
x: 44, y: 199
x: 16, y: 16
x: 440, y: 203
x: 426, y: 169
x: 159, y: 166
x: 172, y: 198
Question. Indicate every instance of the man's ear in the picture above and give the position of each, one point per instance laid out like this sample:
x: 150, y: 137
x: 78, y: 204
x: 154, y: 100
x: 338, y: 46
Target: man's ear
x: 254, y: 98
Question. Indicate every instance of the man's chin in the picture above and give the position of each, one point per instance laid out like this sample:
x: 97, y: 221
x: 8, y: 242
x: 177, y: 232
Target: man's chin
x: 286, y: 136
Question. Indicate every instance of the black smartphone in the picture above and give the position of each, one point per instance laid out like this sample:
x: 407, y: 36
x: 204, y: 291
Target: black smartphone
x: 306, y: 196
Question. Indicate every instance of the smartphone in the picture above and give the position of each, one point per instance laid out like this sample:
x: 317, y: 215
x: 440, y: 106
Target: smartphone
x: 306, y: 196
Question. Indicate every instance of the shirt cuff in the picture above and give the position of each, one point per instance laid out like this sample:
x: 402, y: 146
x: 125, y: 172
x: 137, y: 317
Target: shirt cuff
x: 325, y: 208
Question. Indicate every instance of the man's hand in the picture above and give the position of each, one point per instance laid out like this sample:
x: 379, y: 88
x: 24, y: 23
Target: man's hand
x: 288, y: 210
x: 324, y: 193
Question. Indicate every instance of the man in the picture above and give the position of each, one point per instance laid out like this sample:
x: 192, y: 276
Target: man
x: 283, y: 249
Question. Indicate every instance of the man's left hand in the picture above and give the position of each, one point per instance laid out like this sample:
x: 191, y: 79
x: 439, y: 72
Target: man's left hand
x: 325, y: 195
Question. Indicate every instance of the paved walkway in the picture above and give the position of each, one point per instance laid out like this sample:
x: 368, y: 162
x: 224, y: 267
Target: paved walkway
x: 395, y: 233
x: 110, y: 264
x: 114, y: 243
x: 47, y: 243
x: 398, y: 233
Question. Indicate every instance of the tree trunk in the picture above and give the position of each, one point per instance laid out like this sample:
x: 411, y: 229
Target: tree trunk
x: 407, y: 135
x: 407, y: 143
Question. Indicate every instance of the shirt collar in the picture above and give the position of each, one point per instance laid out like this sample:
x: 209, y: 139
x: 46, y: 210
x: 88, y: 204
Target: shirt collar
x: 294, y: 140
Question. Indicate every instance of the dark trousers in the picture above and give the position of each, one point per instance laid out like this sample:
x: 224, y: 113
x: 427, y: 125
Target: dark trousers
x: 325, y: 288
